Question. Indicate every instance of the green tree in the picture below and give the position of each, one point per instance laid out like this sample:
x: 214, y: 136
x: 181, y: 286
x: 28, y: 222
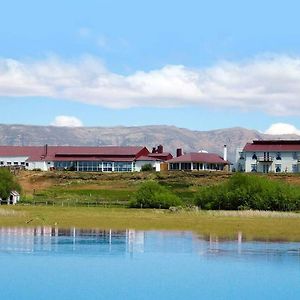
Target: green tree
x: 8, y: 183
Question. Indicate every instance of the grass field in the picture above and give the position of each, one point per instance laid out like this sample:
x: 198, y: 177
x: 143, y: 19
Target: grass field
x: 253, y: 225
x: 71, y: 192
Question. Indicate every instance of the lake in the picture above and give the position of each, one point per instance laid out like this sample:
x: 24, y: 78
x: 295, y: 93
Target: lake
x: 53, y: 263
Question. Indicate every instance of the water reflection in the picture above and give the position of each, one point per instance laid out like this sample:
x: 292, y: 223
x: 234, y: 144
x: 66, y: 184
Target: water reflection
x: 42, y: 240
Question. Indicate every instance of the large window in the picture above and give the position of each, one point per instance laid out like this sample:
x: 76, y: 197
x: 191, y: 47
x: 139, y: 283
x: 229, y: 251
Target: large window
x: 94, y: 166
x: 174, y: 166
x: 253, y: 167
x: 65, y: 165
x: 185, y: 166
x: 123, y: 167
x: 278, y: 168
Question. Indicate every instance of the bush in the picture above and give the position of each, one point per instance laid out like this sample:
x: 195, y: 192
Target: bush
x: 7, y: 183
x: 147, y: 168
x: 152, y: 195
x: 249, y: 192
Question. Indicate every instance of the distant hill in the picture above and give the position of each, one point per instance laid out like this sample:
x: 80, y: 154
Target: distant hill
x: 170, y: 137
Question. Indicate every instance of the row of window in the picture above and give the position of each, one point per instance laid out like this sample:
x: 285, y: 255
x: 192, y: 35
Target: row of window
x: 196, y: 166
x: 15, y: 163
x: 278, y: 168
x: 95, y: 166
x: 295, y: 155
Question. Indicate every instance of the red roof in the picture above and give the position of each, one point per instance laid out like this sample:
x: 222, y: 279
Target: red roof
x: 147, y: 158
x: 200, y: 158
x: 162, y: 156
x: 273, y: 145
x: 63, y: 153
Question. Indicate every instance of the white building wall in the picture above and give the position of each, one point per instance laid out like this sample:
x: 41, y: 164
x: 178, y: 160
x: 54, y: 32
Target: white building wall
x: 42, y: 165
x: 8, y: 161
x: 289, y: 162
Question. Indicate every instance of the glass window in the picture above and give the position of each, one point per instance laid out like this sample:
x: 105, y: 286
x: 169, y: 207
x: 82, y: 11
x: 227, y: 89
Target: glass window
x: 16, y: 163
x: 174, y: 166
x: 254, y: 156
x: 278, y: 168
x: 185, y: 166
x: 8, y: 163
x: 295, y: 168
x: 278, y: 156
x: 253, y: 168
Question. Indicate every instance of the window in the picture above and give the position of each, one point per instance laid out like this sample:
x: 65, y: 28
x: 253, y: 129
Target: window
x: 253, y: 168
x: 16, y: 163
x: 22, y: 163
x: 123, y: 167
x: 107, y: 166
x: 8, y: 163
x: 295, y: 156
x: 2, y: 162
x: 242, y: 155
x: 254, y: 156
x: 278, y: 168
x: 174, y: 166
x: 278, y: 156
x: 186, y: 166
x: 295, y: 168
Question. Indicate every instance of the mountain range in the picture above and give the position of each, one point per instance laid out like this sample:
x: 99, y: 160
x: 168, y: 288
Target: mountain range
x: 170, y: 137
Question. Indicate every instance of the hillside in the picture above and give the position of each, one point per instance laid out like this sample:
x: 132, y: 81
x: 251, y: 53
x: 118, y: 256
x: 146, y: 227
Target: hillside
x: 170, y: 136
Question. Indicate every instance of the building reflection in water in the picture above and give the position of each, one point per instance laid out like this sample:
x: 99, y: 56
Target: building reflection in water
x: 73, y: 241
x: 94, y: 241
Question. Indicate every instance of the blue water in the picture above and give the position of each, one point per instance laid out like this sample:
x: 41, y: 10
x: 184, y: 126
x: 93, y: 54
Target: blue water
x: 50, y: 263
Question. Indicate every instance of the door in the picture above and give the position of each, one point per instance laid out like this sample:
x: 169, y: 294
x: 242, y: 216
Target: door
x: 265, y: 168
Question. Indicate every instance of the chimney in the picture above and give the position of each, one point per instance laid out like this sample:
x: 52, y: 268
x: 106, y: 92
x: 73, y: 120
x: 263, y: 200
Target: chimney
x: 178, y: 152
x: 160, y: 149
x: 225, y: 153
x: 153, y: 150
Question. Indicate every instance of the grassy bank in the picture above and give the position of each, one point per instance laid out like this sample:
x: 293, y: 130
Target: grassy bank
x: 76, y: 188
x: 253, y: 225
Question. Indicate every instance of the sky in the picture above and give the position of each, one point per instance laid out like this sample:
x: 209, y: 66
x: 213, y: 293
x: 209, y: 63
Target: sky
x: 194, y: 64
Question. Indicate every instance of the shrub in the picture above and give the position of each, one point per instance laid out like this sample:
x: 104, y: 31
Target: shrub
x: 7, y: 183
x: 244, y: 191
x: 147, y: 168
x: 152, y: 195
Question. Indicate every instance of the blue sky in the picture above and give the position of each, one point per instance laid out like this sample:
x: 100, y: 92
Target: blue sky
x: 196, y: 64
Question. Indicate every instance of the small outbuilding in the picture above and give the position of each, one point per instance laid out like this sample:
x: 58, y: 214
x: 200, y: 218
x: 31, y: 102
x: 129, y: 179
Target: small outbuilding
x: 13, y: 198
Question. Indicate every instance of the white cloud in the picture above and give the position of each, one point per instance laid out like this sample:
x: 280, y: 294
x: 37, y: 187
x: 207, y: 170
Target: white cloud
x: 66, y: 121
x: 270, y: 84
x: 282, y: 128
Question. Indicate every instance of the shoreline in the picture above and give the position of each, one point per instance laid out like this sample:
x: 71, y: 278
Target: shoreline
x: 254, y: 225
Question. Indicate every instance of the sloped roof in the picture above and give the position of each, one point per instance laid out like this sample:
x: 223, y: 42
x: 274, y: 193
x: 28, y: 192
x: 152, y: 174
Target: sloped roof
x: 199, y: 157
x: 147, y: 158
x: 273, y: 145
x: 58, y: 153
